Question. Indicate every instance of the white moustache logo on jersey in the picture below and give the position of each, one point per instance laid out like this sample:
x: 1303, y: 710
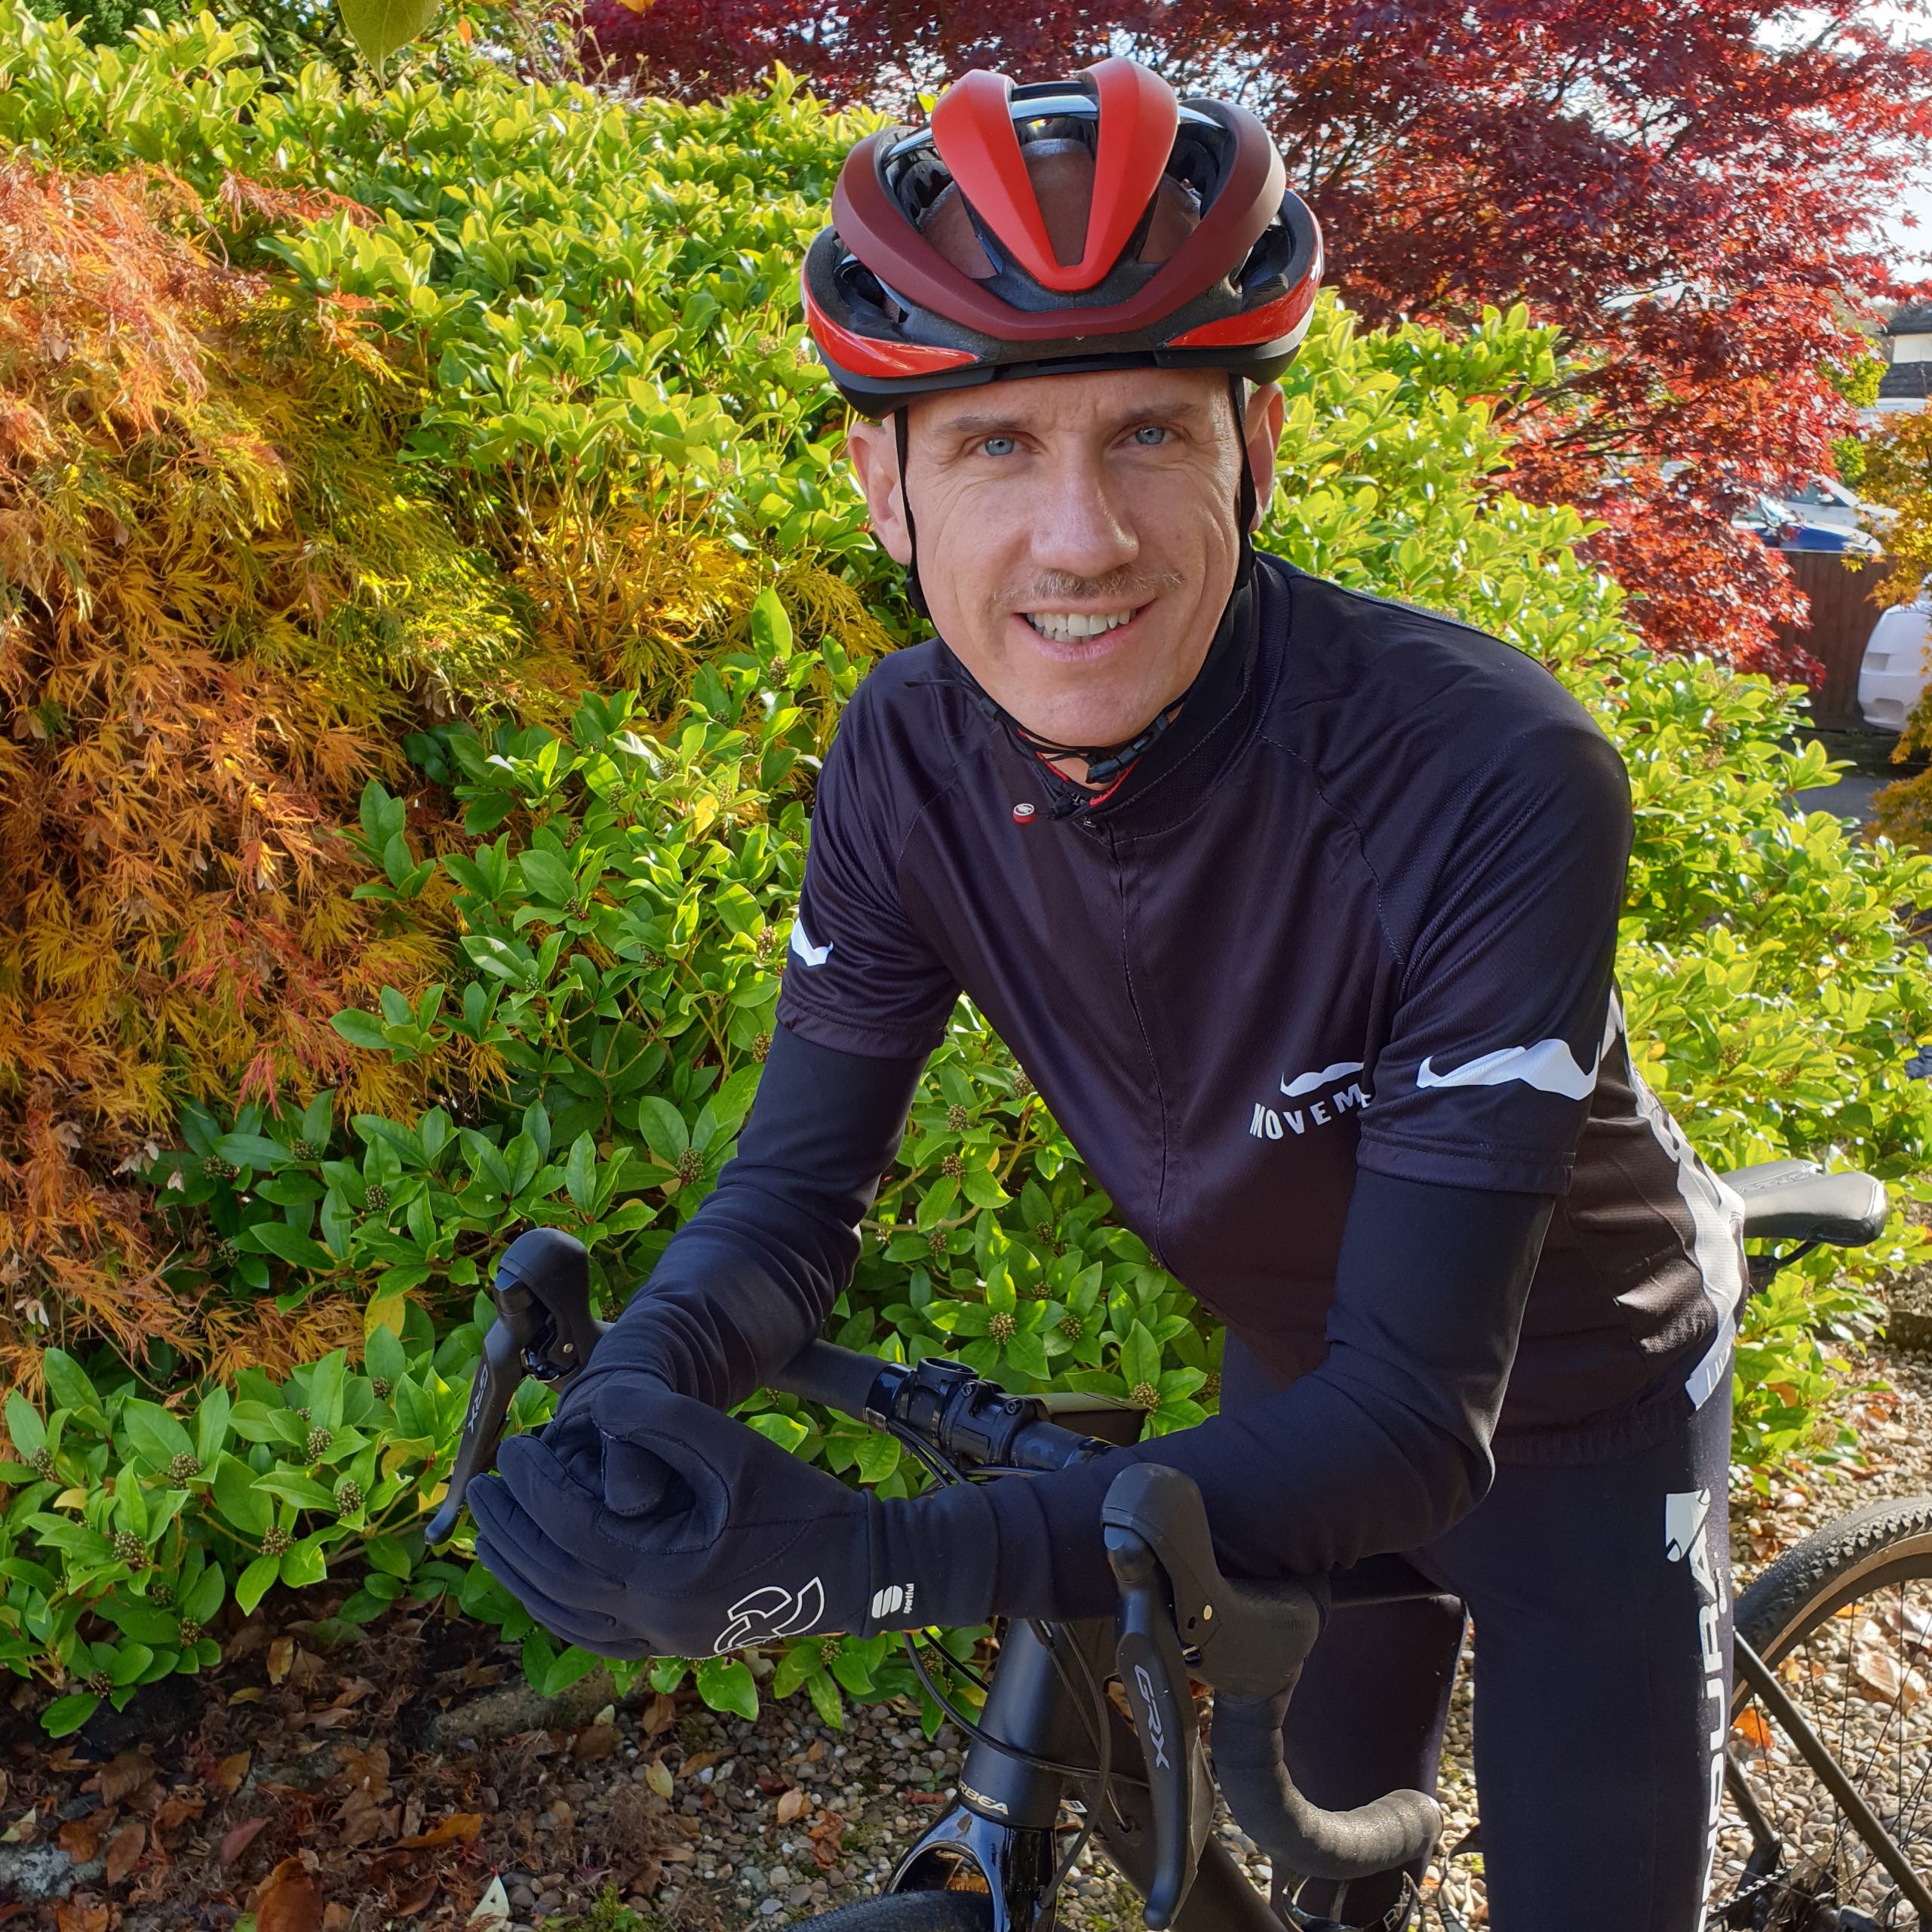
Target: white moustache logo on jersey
x: 1549, y: 1066
x: 801, y: 944
x: 1307, y: 1082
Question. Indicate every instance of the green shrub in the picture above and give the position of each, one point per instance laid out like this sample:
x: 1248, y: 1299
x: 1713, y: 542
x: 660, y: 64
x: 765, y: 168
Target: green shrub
x: 603, y: 296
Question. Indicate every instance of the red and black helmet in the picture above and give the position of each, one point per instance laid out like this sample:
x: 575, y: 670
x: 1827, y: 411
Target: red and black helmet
x: 1088, y: 223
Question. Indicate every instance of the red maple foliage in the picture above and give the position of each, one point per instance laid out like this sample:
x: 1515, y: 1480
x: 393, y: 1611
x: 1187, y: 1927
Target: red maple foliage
x: 1692, y: 188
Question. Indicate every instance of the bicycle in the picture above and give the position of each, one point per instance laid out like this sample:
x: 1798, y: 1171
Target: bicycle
x: 1812, y: 1837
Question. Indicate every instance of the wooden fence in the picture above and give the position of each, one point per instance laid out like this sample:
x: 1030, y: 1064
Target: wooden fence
x: 1844, y: 611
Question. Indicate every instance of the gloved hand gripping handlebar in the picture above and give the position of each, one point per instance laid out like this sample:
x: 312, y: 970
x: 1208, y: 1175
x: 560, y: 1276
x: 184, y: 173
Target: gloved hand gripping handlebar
x: 1180, y: 1617
x: 544, y: 1328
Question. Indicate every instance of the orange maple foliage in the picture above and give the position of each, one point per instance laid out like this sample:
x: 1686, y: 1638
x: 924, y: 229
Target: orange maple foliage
x: 187, y: 716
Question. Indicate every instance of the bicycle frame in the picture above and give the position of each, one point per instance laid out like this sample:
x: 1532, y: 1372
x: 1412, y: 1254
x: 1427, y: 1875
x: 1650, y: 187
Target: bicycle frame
x: 1001, y: 1827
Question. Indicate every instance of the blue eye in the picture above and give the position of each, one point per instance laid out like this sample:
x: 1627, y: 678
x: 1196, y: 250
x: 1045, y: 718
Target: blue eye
x: 1150, y: 435
x: 998, y: 445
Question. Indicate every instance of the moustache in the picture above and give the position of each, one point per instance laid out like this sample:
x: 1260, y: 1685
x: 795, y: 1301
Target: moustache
x: 1115, y: 592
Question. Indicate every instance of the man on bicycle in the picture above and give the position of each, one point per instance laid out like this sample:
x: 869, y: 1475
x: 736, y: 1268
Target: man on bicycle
x: 1298, y: 906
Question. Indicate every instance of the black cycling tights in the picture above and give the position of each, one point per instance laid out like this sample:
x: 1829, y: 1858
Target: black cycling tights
x: 1600, y: 1594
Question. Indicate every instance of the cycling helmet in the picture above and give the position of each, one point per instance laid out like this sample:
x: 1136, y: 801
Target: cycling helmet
x: 1088, y: 223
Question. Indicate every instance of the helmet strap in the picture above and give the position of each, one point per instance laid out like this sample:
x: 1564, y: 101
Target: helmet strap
x: 913, y: 589
x: 1244, y: 506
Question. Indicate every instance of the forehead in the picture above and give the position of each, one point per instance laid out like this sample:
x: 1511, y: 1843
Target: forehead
x: 1041, y: 405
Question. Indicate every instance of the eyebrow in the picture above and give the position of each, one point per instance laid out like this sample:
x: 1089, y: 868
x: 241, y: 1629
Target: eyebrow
x: 991, y: 422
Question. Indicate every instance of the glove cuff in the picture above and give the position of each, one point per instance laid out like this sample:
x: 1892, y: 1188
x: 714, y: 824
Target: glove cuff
x: 936, y: 1559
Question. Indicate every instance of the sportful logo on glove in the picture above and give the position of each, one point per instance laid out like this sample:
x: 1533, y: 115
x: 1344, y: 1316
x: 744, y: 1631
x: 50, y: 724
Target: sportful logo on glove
x: 891, y: 1600
x: 769, y: 1613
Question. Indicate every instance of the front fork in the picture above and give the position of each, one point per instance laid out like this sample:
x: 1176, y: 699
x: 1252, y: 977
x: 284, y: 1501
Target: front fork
x: 999, y: 1832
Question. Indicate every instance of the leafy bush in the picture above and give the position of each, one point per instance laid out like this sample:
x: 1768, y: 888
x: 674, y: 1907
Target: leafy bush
x: 577, y: 323
x: 254, y: 531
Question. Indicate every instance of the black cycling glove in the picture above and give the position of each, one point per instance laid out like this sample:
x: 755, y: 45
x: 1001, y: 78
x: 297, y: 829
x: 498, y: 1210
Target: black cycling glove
x: 640, y: 1522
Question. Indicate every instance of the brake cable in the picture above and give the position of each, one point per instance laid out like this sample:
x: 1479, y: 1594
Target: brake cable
x: 1049, y: 1635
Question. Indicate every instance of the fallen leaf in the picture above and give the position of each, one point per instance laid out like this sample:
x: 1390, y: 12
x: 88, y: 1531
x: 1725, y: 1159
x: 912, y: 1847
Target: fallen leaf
x: 125, y: 1850
x: 657, y: 1775
x: 238, y: 1840
x: 247, y: 1696
x: 492, y: 1909
x: 80, y: 1838
x: 793, y: 1802
x: 661, y: 1716
x: 122, y: 1778
x: 77, y: 1918
x: 418, y: 1901
x: 353, y: 1691
x: 1753, y: 1729
x: 696, y: 1762
x: 826, y: 1838
x: 177, y: 1808
x: 363, y: 1818
x: 21, y: 1831
x: 231, y: 1771
x: 288, y: 1901
x: 281, y: 1655
x: 337, y: 1918
x: 1883, y: 1680
x: 367, y: 1768
x: 594, y: 1741
x: 458, y: 1828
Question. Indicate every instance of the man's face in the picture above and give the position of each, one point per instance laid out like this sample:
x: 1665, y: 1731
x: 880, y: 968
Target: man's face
x: 1076, y: 534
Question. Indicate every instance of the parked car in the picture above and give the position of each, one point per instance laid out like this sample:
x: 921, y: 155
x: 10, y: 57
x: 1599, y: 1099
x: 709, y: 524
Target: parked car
x: 1825, y: 500
x: 1783, y: 527
x: 1895, y: 668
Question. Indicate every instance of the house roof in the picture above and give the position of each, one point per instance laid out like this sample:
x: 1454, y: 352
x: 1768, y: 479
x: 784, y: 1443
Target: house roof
x: 1914, y: 319
x: 1906, y: 380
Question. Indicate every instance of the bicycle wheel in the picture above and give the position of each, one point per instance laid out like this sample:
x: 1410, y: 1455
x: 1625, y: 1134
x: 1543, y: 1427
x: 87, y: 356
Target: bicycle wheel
x: 908, y: 1911
x: 1845, y: 1621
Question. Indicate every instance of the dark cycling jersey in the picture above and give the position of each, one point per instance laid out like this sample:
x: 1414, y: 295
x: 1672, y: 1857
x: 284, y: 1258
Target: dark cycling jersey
x: 1354, y: 909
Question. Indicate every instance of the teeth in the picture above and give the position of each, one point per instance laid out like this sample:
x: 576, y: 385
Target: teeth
x: 1063, y: 626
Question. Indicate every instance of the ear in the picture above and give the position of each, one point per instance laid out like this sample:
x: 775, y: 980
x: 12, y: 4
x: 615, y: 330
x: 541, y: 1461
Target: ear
x: 874, y: 454
x: 1267, y: 410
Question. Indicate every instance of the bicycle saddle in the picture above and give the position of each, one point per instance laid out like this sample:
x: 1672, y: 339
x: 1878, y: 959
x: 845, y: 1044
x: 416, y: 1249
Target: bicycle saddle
x: 1798, y: 1200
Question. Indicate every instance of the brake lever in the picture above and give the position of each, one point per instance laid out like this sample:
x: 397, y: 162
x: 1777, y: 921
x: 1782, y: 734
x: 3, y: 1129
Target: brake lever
x: 544, y: 1328
x: 1149, y: 1659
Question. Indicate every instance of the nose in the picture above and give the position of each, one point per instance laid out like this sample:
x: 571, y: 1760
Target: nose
x: 1079, y: 527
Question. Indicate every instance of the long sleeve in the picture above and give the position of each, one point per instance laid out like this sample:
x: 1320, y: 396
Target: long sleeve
x: 1384, y: 1446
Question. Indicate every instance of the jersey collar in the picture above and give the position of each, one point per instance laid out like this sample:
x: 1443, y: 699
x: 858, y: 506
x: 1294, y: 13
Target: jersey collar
x: 1184, y: 758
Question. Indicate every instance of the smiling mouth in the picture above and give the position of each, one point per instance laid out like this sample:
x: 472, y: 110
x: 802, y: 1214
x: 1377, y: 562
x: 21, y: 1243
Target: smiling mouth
x: 1076, y: 627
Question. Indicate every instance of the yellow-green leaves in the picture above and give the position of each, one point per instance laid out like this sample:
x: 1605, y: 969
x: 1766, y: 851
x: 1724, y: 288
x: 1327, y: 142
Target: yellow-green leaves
x: 380, y: 27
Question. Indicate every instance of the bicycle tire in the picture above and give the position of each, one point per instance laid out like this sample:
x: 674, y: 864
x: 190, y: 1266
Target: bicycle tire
x: 907, y: 1911
x: 1883, y: 1542
x: 1883, y: 1546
